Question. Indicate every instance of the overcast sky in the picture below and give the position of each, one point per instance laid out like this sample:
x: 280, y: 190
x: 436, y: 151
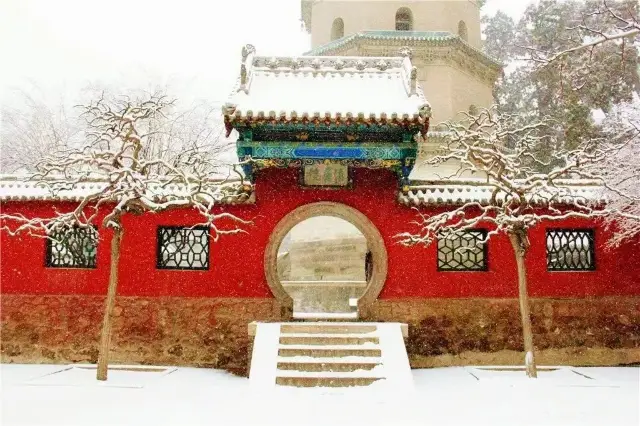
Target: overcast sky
x: 193, y: 46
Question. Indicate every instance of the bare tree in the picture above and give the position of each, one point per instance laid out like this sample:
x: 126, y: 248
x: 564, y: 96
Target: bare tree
x: 521, y: 195
x: 119, y: 131
x: 188, y: 134
x: 31, y: 129
x: 619, y: 171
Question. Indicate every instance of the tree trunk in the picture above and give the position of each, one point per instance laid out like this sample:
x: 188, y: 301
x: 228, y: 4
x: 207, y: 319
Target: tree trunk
x: 105, y: 339
x: 520, y: 244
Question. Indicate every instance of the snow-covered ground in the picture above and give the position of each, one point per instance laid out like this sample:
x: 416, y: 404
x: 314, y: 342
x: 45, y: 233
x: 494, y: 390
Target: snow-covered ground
x: 65, y: 395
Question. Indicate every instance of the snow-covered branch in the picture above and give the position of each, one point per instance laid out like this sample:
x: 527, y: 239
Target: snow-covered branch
x: 526, y: 186
x: 30, y: 129
x: 607, y: 22
x: 130, y: 178
x: 620, y: 169
x: 182, y: 135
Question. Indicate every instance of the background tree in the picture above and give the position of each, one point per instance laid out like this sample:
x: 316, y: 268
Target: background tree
x: 521, y: 195
x: 577, y: 61
x: 31, y: 129
x: 131, y: 177
x: 619, y: 172
x: 600, y: 76
x: 499, y: 31
x: 600, y: 59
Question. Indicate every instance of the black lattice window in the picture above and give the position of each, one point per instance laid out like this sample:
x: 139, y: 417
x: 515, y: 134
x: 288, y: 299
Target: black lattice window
x: 73, y: 247
x: 182, y: 247
x: 466, y: 251
x: 570, y: 250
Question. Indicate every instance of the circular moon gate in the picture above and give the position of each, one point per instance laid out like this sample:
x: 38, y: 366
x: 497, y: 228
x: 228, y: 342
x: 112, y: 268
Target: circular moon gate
x: 365, y: 226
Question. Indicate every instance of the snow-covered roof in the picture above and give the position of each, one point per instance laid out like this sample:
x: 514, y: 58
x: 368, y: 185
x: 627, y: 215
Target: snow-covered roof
x: 327, y: 88
x: 462, y: 193
x: 15, y: 189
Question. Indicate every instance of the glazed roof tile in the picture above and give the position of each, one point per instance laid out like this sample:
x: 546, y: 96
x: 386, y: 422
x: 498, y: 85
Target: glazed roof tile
x: 432, y: 37
x: 371, y: 88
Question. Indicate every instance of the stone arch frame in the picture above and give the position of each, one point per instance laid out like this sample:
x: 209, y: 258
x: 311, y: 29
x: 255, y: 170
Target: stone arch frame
x: 404, y: 11
x: 463, y: 32
x: 373, y: 237
x: 337, y: 29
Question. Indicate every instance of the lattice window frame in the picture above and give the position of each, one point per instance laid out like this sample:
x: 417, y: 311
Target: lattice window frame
x: 163, y: 236
x: 586, y: 264
x: 58, y: 241
x: 480, y: 266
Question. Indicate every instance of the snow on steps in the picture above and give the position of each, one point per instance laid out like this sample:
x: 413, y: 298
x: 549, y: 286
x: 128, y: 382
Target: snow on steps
x: 320, y: 328
x: 326, y: 366
x: 328, y: 351
x: 329, y: 354
x: 325, y: 316
x: 309, y: 363
x: 336, y: 339
x: 334, y: 382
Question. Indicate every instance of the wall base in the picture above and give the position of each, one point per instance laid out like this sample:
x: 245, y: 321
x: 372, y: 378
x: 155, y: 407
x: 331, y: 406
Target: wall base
x: 576, y: 357
x: 201, y: 332
x: 212, y: 332
x: 593, y: 331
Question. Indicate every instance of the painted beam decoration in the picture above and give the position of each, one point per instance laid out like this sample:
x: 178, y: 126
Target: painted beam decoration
x: 332, y: 112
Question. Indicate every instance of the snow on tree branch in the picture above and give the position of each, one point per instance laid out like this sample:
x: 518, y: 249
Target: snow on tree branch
x: 129, y: 177
x: 526, y: 188
x: 33, y: 129
x: 605, y: 22
x: 620, y: 169
x: 584, y: 64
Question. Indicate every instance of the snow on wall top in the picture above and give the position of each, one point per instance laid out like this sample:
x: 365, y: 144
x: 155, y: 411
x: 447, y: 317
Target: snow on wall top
x: 16, y: 189
x: 334, y: 88
x: 458, y: 193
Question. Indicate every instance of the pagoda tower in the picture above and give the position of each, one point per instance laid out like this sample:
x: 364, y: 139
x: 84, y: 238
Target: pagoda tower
x: 444, y: 40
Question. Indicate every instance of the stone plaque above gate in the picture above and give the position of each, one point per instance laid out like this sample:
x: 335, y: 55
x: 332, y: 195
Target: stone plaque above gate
x: 323, y: 174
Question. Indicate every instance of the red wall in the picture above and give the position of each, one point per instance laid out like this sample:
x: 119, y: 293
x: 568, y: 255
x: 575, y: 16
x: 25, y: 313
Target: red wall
x: 237, y: 270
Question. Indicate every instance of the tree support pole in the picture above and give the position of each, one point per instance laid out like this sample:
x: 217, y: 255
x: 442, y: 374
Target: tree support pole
x: 105, y: 339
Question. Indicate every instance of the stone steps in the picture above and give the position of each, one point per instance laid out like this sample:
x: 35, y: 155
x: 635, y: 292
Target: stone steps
x: 327, y: 366
x: 324, y: 329
x: 329, y: 354
x: 309, y: 382
x: 340, y: 360
x: 315, y: 351
x: 325, y: 316
x: 310, y: 339
x: 365, y: 374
